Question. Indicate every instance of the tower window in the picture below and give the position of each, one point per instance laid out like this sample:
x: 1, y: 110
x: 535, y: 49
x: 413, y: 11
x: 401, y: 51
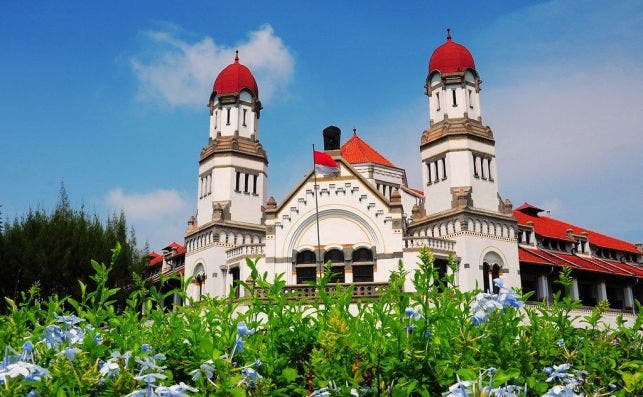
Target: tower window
x: 244, y: 117
x: 455, y: 103
x: 428, y: 168
x: 475, y: 166
x: 254, y: 184
x: 470, y: 103
x: 238, y: 179
x: 228, y: 117
x: 437, y: 99
x: 444, y: 168
x: 245, y: 186
x: 216, y: 119
x: 489, y: 169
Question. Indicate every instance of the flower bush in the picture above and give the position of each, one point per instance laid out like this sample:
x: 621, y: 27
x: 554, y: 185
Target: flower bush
x: 436, y: 341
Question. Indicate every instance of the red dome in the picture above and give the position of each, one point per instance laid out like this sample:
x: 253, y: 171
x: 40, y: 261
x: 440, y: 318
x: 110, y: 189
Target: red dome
x: 234, y: 78
x: 451, y: 57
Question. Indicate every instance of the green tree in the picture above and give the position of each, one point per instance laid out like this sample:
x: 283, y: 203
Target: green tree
x: 55, y: 248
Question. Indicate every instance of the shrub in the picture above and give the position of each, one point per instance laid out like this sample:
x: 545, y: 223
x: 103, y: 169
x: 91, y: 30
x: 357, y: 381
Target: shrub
x: 435, y: 340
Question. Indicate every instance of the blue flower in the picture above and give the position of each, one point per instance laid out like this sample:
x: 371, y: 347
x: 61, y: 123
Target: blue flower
x: 479, y: 317
x: 558, y: 372
x: 29, y: 371
x: 174, y: 390
x: 146, y: 348
x: 409, y: 311
x: 410, y: 328
x: 70, y: 352
x: 53, y: 336
x: 560, y: 342
x: 460, y: 388
x: 207, y: 369
x: 149, y: 363
x: 109, y: 369
x: 69, y: 320
x: 125, y: 357
x: 251, y: 376
x: 27, y: 351
x: 150, y: 378
x: 412, y: 313
x: 243, y: 330
x: 239, y: 344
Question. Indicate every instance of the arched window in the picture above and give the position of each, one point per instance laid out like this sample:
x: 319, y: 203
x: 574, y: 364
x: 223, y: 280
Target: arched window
x: 199, y: 278
x: 336, y: 257
x: 485, y: 277
x: 362, y: 255
x: 305, y: 266
x: 305, y: 257
x: 492, y: 265
x: 362, y: 265
x: 235, y: 274
x: 495, y: 273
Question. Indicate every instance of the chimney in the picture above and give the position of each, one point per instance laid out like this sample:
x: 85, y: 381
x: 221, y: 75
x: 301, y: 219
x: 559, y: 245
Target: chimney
x: 332, y: 137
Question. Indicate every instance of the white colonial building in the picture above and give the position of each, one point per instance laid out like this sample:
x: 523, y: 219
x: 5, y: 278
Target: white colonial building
x: 370, y: 219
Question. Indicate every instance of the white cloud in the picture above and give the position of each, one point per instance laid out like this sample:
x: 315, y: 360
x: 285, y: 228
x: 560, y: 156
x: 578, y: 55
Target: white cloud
x: 159, y: 217
x: 177, y: 72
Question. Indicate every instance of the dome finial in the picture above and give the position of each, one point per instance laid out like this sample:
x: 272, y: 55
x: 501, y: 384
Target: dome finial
x: 449, y: 34
x: 354, y: 131
x: 236, y: 57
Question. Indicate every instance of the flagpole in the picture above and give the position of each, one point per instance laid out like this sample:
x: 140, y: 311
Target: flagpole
x: 319, y: 258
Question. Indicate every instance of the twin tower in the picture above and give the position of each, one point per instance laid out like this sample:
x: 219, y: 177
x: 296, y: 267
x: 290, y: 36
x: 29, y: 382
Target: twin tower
x: 457, y: 153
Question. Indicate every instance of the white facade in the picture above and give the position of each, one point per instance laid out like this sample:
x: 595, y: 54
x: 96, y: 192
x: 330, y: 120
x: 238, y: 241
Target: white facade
x: 367, y: 216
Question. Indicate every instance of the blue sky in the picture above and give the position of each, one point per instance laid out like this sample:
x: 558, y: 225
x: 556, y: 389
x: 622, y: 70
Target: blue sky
x: 110, y: 97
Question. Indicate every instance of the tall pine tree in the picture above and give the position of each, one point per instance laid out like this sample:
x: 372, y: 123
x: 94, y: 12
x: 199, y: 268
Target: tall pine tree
x: 55, y: 248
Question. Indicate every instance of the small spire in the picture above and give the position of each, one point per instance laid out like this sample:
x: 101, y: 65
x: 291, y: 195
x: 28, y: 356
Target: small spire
x: 449, y: 34
x: 236, y: 57
x: 354, y: 131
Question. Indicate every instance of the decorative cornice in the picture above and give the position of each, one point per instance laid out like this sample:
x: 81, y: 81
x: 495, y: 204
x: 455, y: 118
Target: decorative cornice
x: 226, y: 225
x: 238, y: 145
x: 459, y: 211
x: 459, y: 127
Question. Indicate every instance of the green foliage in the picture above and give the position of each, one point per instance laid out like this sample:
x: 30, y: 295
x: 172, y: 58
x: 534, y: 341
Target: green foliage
x: 399, y: 344
x: 56, y: 249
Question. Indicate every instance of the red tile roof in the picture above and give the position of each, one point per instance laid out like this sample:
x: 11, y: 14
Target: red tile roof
x: 451, y: 57
x: 356, y: 151
x: 234, y: 78
x: 529, y: 256
x: 542, y: 257
x: 554, y: 228
x: 180, y: 250
x: 155, y: 259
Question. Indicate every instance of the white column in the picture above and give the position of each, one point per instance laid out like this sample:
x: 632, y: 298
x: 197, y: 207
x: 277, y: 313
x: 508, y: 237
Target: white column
x: 574, y: 290
x: 628, y: 297
x: 348, y: 276
x: 543, y: 288
x: 601, y: 291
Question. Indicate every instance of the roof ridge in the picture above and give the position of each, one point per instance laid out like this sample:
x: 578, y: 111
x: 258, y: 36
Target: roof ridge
x: 365, y: 151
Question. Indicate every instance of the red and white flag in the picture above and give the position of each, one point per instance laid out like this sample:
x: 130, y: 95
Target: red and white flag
x: 324, y: 164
